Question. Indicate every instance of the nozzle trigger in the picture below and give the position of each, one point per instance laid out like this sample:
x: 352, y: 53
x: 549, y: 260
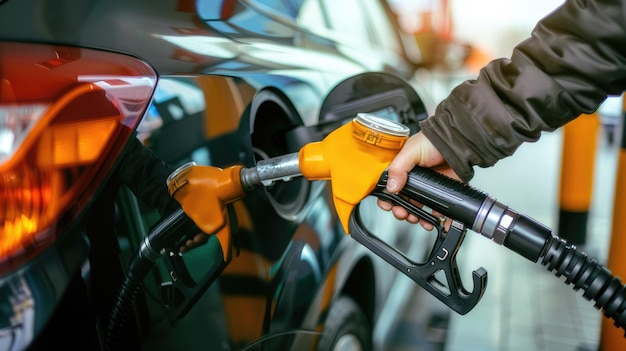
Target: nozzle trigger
x: 441, y: 259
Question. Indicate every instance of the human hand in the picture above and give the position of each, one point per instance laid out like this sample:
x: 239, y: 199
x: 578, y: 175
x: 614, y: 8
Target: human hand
x: 417, y: 151
x: 198, y: 240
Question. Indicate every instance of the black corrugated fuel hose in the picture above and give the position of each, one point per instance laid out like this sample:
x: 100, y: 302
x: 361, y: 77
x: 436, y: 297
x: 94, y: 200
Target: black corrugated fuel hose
x: 595, y: 280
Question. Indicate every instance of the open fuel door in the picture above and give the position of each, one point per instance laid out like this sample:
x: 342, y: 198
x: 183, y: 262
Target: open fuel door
x: 379, y: 93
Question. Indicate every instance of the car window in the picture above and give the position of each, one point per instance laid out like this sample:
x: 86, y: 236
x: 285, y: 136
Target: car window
x: 383, y: 31
x: 368, y: 26
x: 311, y: 17
x: 350, y: 28
x: 304, y: 13
x: 323, y: 17
x: 239, y: 19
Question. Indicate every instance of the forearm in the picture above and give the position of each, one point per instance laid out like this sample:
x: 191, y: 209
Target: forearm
x: 574, y: 58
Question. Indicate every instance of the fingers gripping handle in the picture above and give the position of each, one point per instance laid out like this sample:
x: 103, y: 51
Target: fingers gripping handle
x: 443, y: 194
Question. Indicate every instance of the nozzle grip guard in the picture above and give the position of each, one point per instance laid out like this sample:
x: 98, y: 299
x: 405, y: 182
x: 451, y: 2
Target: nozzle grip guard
x: 442, y: 258
x: 441, y: 193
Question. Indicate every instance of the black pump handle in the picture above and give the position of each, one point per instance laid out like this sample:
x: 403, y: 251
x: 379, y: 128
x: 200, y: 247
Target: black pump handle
x: 443, y: 194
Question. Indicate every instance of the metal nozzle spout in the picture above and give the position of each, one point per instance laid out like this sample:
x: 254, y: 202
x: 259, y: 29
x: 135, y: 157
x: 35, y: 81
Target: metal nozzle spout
x: 266, y: 172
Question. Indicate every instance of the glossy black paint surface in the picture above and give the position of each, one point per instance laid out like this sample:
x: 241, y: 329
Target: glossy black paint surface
x: 239, y: 81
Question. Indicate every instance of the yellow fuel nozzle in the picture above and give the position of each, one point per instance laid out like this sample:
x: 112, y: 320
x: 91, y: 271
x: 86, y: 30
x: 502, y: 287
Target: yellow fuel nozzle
x: 352, y: 158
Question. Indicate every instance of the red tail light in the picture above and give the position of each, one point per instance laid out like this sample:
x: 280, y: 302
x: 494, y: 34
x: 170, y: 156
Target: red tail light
x: 65, y: 116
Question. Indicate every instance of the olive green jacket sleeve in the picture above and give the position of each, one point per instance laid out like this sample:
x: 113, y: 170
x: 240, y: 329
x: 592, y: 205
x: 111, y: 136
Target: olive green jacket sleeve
x: 574, y: 59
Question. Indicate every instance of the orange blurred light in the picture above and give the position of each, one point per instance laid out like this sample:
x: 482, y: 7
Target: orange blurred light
x: 75, y: 143
x: 25, y: 194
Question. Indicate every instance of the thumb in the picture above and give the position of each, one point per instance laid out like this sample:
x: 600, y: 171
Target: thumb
x: 408, y: 157
x: 398, y: 172
x: 417, y: 151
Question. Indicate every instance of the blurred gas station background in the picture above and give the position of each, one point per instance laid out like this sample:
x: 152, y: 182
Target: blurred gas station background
x: 458, y: 37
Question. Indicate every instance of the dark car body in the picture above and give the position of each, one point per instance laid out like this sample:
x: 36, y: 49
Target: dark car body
x: 229, y: 82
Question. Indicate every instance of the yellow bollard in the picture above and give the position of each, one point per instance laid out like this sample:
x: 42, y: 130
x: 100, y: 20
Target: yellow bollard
x: 612, y: 338
x: 577, y: 167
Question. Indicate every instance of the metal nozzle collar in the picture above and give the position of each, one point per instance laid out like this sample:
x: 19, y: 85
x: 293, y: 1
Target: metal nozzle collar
x: 266, y: 172
x: 493, y: 220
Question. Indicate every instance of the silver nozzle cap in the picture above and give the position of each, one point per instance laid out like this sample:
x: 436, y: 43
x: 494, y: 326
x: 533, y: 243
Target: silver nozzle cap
x: 382, y: 125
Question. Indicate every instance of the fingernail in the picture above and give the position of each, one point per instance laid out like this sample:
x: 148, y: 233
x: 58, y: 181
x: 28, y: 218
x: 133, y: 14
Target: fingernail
x: 392, y: 184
